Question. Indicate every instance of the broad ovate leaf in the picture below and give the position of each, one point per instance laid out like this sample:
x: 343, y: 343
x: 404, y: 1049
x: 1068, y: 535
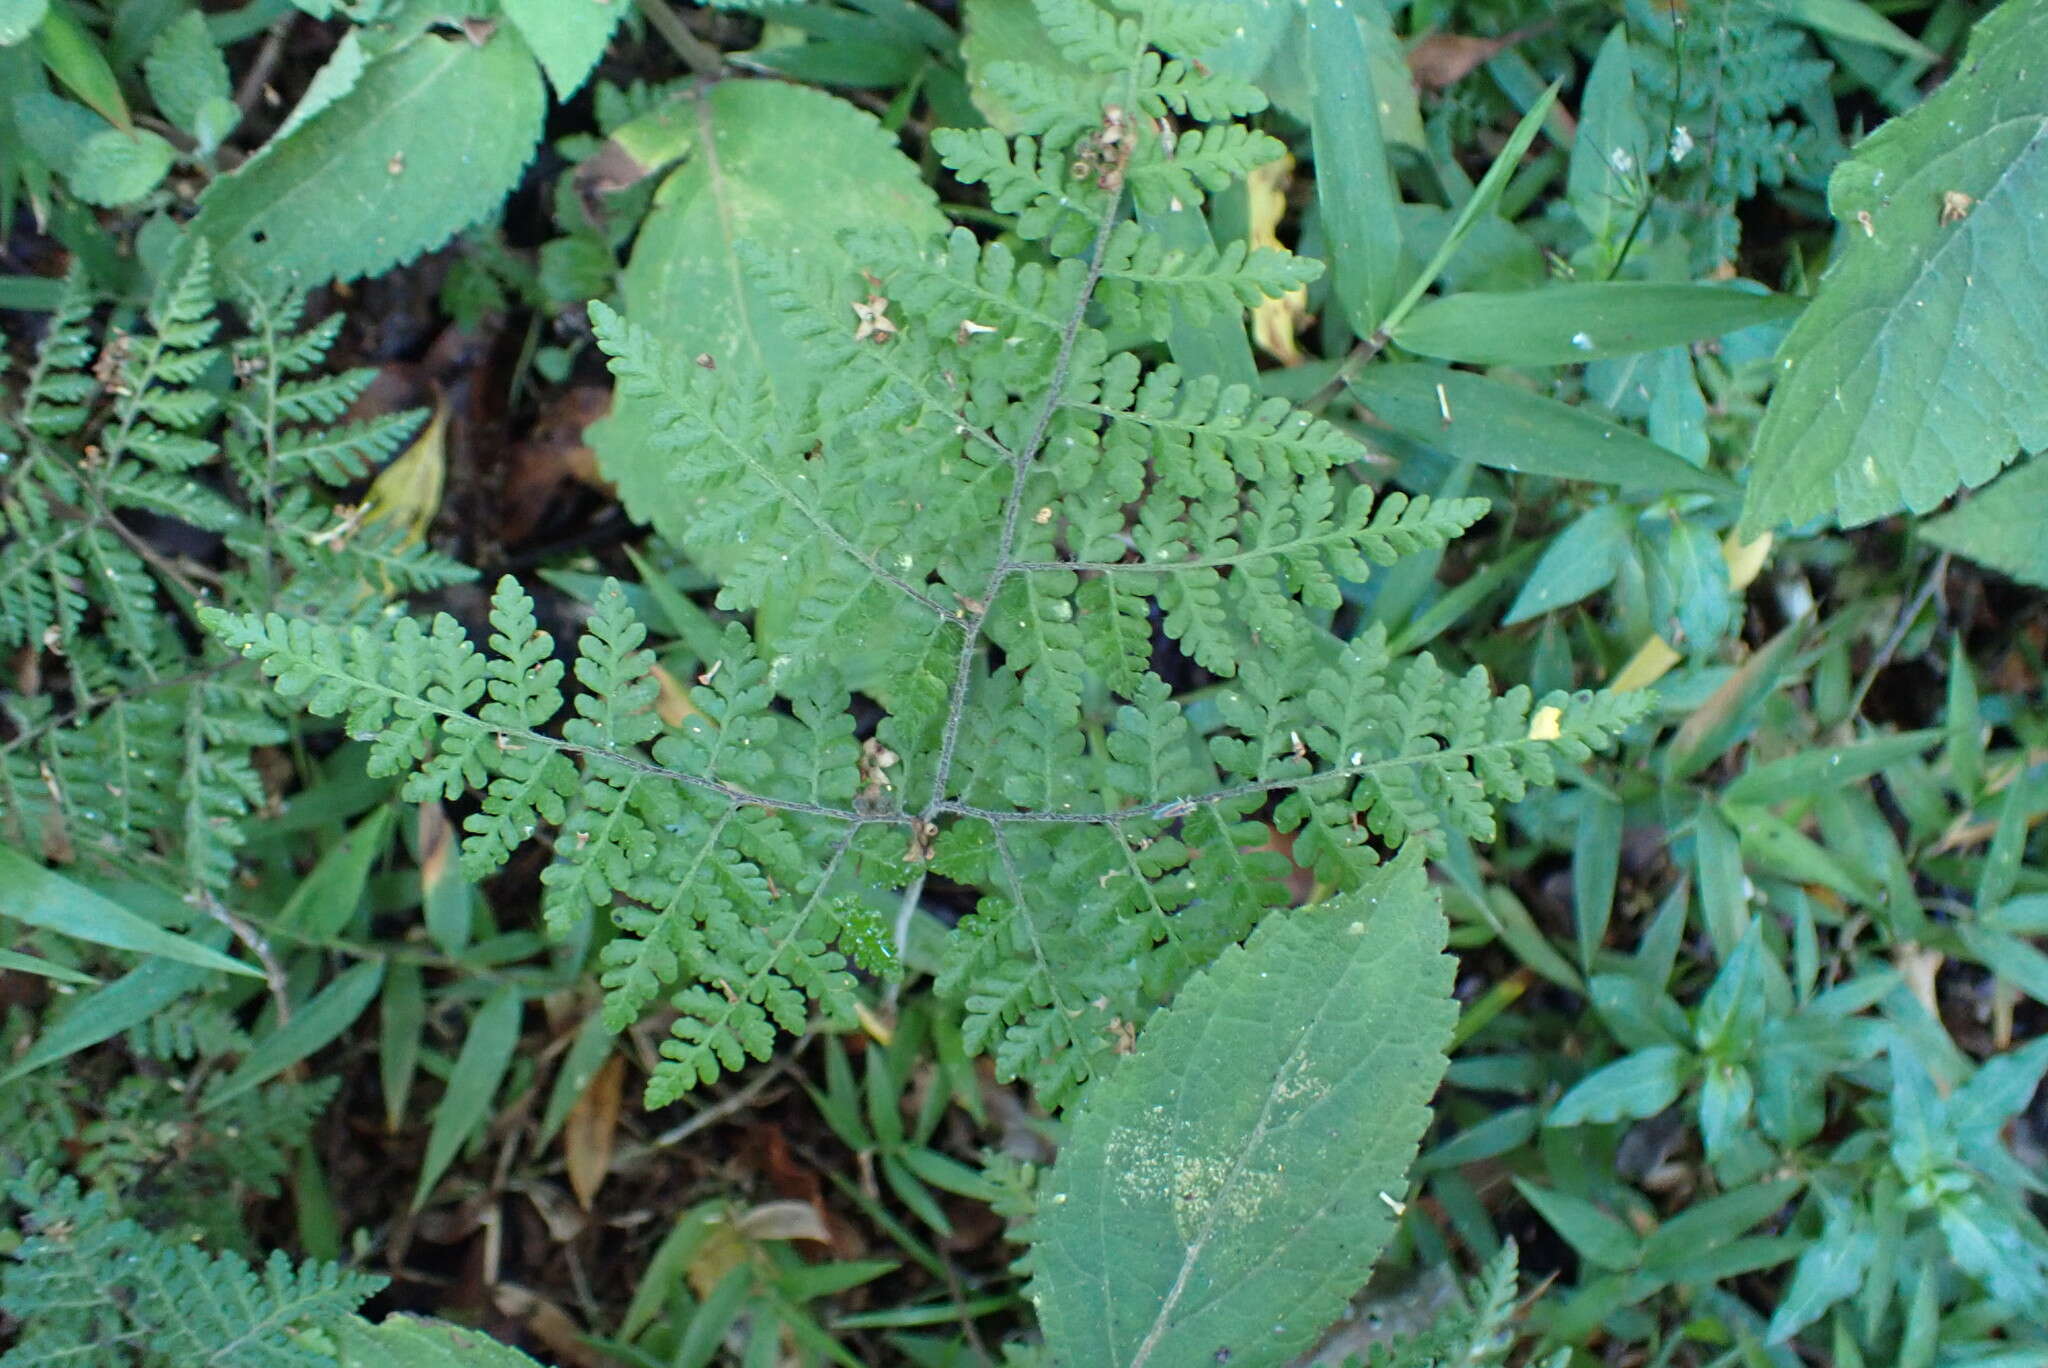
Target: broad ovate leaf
x: 425, y: 142
x: 1231, y: 1183
x: 1917, y: 369
x: 773, y: 165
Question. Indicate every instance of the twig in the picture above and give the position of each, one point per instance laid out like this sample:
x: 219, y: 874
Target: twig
x: 1904, y: 625
x: 737, y: 1102
x: 1352, y: 365
x: 264, y: 67
x: 248, y: 935
x: 698, y: 55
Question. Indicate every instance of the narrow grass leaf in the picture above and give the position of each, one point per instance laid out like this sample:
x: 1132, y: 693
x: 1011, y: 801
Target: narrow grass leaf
x: 44, y: 898
x: 42, y: 968
x: 1355, y: 187
x: 1560, y: 325
x: 479, y: 1069
x: 101, y: 1015
x: 314, y: 1025
x: 1596, y: 862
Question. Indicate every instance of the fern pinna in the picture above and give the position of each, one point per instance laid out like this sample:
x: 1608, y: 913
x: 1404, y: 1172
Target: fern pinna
x: 142, y: 478
x: 960, y: 574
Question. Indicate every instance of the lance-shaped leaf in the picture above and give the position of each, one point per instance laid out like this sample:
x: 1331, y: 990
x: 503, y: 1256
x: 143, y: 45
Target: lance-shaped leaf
x: 1917, y: 369
x: 1223, y: 1192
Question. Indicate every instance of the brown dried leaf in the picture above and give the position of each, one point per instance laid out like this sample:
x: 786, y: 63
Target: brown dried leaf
x: 554, y: 454
x: 588, y: 1133
x: 1444, y: 59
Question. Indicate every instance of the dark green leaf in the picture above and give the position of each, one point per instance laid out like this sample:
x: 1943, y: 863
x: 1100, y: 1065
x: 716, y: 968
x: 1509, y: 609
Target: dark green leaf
x: 1601, y: 1239
x: 479, y: 1069
x: 315, y: 1024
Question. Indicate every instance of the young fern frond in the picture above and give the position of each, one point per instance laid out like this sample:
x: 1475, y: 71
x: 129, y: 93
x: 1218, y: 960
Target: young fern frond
x: 971, y: 549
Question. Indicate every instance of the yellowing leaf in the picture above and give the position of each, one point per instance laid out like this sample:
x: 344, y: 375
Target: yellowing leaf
x: 408, y: 491
x: 1275, y: 321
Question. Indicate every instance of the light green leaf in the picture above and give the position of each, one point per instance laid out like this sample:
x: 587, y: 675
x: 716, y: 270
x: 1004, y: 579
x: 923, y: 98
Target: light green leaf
x: 999, y: 32
x: 569, y: 36
x: 18, y: 19
x: 1354, y: 184
x: 42, y: 897
x: 479, y: 1069
x: 1600, y: 1238
x: 113, y: 168
x: 1506, y: 428
x: 1715, y: 1222
x: 401, y: 1020
x: 2001, y: 526
x: 42, y: 968
x: 1726, y: 717
x: 1559, y: 325
x: 74, y: 57
x: 1580, y: 560
x: 1831, y: 1269
x: 1479, y: 205
x: 1596, y: 864
x: 431, y: 137
x: 414, y: 1342
x: 335, y: 78
x: 1855, y: 20
x: 1914, y: 373
x: 1809, y: 772
x: 321, y: 906
x: 314, y: 1025
x: 53, y: 127
x: 1199, y: 1204
x: 1608, y: 157
x: 742, y: 186
x: 1636, y: 1085
x: 185, y: 71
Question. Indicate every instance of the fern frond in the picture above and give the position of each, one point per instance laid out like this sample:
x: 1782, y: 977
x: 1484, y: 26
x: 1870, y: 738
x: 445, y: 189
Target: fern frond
x: 968, y: 539
x: 91, y: 1286
x: 144, y: 752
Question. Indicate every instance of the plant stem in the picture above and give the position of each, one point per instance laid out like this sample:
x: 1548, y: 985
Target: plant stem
x: 698, y: 55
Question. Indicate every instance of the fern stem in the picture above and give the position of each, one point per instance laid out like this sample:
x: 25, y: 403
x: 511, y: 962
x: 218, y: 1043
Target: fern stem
x: 1013, y: 505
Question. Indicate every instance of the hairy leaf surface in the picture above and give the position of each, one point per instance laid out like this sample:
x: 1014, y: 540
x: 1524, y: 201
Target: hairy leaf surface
x: 1192, y: 1219
x: 427, y: 141
x: 1917, y: 369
